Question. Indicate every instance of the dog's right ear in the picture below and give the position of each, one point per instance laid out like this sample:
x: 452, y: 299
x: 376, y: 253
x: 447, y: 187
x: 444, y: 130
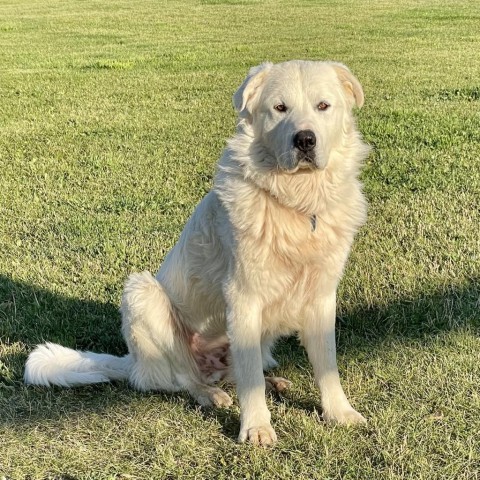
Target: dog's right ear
x: 248, y: 92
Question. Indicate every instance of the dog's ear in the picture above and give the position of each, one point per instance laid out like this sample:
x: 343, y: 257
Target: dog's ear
x: 244, y: 98
x: 351, y: 85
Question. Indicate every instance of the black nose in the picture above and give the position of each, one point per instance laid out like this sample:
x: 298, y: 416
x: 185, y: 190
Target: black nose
x: 305, y: 140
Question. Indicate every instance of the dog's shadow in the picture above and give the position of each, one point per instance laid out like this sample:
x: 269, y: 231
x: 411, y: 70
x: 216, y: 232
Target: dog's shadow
x: 30, y: 315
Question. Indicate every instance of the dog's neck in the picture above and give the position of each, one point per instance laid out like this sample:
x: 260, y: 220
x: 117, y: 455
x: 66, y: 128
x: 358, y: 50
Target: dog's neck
x: 294, y: 191
x: 309, y: 209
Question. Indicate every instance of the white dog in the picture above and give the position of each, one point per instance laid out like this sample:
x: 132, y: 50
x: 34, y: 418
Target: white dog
x: 260, y: 257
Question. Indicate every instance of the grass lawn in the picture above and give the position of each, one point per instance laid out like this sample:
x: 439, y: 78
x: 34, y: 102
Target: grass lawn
x: 112, y: 116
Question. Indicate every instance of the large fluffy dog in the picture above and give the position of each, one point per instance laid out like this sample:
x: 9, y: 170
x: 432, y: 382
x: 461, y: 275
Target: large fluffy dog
x: 260, y: 257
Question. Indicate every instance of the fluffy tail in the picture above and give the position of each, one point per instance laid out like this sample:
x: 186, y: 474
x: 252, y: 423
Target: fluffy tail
x: 52, y: 364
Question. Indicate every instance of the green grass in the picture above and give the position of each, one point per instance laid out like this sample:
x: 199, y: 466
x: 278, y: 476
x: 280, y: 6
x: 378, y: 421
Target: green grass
x: 112, y: 116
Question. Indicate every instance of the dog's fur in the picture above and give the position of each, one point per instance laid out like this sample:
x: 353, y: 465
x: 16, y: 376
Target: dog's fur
x: 260, y: 257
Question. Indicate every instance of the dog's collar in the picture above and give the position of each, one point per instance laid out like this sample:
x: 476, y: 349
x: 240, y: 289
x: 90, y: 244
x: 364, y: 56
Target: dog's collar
x: 313, y: 222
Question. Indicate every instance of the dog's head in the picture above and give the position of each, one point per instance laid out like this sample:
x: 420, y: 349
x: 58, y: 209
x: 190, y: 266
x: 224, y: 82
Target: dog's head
x: 299, y: 111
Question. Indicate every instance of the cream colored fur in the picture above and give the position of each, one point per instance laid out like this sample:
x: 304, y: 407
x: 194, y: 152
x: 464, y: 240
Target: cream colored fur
x: 260, y: 257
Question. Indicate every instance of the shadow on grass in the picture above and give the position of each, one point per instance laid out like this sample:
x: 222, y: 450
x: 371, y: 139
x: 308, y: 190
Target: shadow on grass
x: 30, y: 315
x: 419, y: 318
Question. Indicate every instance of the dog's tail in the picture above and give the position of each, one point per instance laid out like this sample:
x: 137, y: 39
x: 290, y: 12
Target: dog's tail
x: 52, y: 364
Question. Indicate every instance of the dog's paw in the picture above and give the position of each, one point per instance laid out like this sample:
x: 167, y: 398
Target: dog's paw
x: 208, y: 396
x: 347, y: 416
x: 220, y: 398
x: 263, y: 435
x: 277, y: 384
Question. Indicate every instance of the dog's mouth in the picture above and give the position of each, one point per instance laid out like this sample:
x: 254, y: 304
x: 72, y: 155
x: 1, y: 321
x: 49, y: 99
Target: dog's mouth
x: 306, y: 160
x: 301, y: 167
x: 293, y: 161
x: 303, y: 161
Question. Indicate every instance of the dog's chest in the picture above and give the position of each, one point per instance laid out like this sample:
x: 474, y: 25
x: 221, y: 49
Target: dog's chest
x: 281, y: 252
x: 293, y: 254
x: 302, y: 260
x: 296, y: 240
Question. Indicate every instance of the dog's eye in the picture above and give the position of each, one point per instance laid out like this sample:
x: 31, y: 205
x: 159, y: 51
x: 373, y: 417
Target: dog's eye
x: 281, y: 107
x: 323, y: 106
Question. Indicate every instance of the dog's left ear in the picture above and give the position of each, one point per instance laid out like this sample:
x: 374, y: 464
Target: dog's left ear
x: 350, y: 83
x: 244, y: 98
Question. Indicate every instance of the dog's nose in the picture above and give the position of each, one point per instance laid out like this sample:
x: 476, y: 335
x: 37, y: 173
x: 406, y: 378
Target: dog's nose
x: 305, y: 140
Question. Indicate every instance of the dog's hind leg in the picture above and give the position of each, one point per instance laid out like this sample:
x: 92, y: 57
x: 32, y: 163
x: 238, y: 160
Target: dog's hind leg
x: 268, y: 362
x: 162, y: 358
x: 153, y: 336
x: 272, y: 384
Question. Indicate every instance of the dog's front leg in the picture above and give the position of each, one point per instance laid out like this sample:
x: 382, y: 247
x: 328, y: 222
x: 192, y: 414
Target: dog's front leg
x: 318, y: 338
x: 244, y: 323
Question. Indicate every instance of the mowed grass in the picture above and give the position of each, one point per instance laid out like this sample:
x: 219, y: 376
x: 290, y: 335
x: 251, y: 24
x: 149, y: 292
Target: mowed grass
x: 112, y: 116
